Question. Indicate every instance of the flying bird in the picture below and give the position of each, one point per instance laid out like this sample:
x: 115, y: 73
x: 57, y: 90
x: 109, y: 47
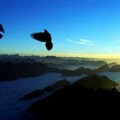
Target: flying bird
x: 1, y: 30
x: 44, y: 37
x: 1, y: 36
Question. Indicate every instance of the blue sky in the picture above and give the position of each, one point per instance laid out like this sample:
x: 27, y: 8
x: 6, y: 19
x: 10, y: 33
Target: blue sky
x: 77, y: 26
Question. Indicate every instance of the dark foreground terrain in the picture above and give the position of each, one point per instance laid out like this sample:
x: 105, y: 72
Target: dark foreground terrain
x: 76, y: 101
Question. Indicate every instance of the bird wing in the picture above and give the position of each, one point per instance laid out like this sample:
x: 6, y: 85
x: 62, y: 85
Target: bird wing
x: 39, y: 36
x: 48, y: 36
x: 1, y: 28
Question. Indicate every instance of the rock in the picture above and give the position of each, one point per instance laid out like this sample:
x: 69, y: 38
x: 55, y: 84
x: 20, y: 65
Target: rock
x: 96, y: 82
x: 58, y: 84
x: 34, y: 94
x: 49, y: 89
x: 61, y: 83
x: 103, y: 68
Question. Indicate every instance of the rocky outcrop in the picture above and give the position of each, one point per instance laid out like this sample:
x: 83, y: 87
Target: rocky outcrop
x: 34, y: 94
x: 96, y: 82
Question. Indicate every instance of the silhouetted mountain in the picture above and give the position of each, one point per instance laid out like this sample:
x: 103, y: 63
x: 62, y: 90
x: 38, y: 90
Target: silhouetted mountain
x: 16, y: 58
x: 96, y: 82
x: 76, y: 102
x: 61, y: 83
x: 14, y: 66
x: 53, y: 61
x: 71, y: 64
x: 49, y: 89
x: 37, y: 93
x: 78, y: 71
x: 34, y: 94
x: 115, y: 68
x: 85, y: 62
x: 12, y: 71
x: 51, y: 64
x: 103, y: 68
x: 90, y: 82
x: 112, y: 64
x: 58, y: 84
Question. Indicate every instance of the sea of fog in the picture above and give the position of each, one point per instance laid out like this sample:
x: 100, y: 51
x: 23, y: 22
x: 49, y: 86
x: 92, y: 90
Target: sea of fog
x: 10, y: 91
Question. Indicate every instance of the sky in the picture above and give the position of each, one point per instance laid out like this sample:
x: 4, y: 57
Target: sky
x: 77, y: 27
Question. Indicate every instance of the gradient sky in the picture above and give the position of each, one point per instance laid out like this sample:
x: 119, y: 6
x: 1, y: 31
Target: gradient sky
x: 77, y: 26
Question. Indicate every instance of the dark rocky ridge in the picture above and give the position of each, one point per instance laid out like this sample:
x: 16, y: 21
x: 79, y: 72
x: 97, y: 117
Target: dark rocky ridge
x: 37, y: 93
x: 114, y: 68
x: 75, y: 101
x: 34, y: 94
x: 96, y: 82
x: 13, y: 71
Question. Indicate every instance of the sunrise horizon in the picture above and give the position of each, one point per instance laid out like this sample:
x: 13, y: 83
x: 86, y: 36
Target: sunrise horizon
x: 85, y: 55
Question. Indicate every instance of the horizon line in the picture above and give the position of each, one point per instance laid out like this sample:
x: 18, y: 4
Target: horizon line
x: 83, y: 55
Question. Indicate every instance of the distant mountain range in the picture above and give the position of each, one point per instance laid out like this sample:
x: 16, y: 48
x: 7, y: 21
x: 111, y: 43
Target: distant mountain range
x: 115, y: 68
x: 52, y: 61
x: 13, y: 67
x: 78, y: 71
x: 13, y: 71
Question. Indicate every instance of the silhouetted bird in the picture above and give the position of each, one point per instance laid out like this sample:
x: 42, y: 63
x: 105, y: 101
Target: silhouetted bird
x: 44, y: 37
x: 1, y: 36
x: 1, y: 30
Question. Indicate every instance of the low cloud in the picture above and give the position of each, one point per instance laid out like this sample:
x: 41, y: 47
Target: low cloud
x: 82, y: 42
